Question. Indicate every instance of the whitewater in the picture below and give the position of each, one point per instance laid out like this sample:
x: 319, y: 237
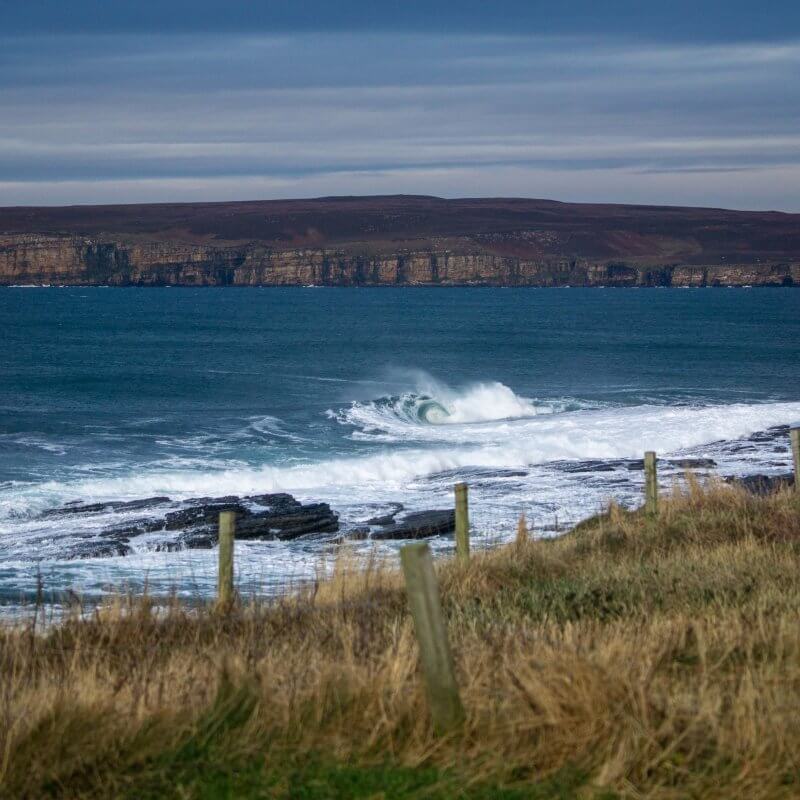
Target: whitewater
x: 366, y: 400
x: 483, y: 426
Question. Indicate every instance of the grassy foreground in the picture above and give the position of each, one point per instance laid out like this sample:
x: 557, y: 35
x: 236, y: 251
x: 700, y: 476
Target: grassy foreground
x: 630, y: 658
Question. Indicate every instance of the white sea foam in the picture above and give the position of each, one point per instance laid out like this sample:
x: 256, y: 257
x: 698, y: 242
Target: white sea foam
x: 37, y: 442
x: 410, y: 415
x: 606, y: 433
x: 269, y: 427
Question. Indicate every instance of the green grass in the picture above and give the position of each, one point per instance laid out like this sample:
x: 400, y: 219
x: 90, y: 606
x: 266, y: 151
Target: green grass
x: 282, y: 778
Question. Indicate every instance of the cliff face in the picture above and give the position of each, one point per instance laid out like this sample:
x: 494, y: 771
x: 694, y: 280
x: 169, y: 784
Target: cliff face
x: 398, y: 241
x: 67, y: 260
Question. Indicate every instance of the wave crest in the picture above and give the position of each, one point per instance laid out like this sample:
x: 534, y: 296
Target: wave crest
x: 440, y: 405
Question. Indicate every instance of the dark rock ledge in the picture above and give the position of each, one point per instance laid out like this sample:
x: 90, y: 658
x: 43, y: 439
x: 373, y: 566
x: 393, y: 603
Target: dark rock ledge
x: 264, y: 516
x: 763, y: 484
x: 418, y: 525
x: 411, y: 525
x: 194, y: 523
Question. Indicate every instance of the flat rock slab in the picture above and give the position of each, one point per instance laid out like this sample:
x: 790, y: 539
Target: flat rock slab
x: 592, y: 465
x: 419, y: 525
x: 265, y: 516
x: 387, y: 518
x: 677, y: 463
x: 636, y: 465
x: 770, y: 434
x: 78, y: 507
x: 99, y: 548
x: 763, y: 484
x: 692, y: 463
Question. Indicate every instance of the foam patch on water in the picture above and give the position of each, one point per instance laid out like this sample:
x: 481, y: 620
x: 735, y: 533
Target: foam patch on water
x: 624, y: 432
x: 22, y: 441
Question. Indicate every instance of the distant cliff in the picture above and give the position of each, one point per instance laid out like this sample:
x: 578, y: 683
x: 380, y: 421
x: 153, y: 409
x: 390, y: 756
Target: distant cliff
x: 398, y: 242
x: 68, y: 260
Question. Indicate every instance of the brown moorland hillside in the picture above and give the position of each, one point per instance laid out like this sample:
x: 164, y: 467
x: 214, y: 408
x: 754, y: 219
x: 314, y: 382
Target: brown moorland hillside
x: 398, y: 240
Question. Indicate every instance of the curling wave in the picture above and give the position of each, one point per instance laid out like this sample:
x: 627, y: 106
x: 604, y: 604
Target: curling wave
x: 435, y: 404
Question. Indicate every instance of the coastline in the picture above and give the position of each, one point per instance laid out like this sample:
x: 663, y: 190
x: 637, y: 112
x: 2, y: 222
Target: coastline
x: 81, y: 262
x: 613, y: 653
x: 398, y: 241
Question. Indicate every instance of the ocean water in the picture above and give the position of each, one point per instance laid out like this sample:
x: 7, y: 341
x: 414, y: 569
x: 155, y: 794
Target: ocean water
x: 363, y: 398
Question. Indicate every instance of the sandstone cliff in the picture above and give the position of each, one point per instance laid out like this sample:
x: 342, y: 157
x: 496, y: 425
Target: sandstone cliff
x: 398, y: 242
x: 66, y: 260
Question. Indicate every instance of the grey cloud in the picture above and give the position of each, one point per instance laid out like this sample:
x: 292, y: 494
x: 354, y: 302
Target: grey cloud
x: 171, y: 117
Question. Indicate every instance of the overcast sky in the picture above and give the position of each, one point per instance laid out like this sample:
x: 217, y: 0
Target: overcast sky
x: 692, y: 103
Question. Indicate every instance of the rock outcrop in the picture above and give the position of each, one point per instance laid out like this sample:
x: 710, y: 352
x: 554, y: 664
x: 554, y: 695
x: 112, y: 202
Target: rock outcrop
x: 195, y: 522
x: 763, y: 484
x: 418, y: 525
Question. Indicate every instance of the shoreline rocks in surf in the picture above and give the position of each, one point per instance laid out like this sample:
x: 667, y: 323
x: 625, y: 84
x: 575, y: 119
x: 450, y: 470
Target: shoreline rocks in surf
x: 124, y: 527
x: 411, y: 525
x: 193, y: 524
x: 763, y: 484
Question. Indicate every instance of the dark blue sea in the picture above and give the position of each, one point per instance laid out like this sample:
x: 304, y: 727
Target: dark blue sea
x: 363, y: 398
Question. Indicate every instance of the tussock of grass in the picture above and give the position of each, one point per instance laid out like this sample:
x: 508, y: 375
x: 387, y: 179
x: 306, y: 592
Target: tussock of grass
x: 633, y: 657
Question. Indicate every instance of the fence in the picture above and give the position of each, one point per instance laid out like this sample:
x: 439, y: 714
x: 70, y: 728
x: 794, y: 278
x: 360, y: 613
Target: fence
x: 446, y: 708
x: 553, y: 498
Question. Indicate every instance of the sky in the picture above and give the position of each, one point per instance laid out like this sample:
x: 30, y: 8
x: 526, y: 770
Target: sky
x: 681, y: 103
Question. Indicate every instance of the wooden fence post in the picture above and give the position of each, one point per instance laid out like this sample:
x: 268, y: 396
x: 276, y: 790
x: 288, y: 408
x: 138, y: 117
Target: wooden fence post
x: 437, y: 661
x: 227, y: 529
x: 794, y: 435
x: 650, y: 483
x: 462, y: 522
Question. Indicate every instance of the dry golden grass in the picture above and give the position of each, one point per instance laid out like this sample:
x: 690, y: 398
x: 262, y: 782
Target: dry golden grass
x: 651, y: 658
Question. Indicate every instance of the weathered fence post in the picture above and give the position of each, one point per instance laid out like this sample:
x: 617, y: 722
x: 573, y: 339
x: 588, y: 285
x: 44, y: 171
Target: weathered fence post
x: 650, y: 483
x: 462, y: 522
x: 227, y: 528
x: 794, y: 435
x: 434, y: 648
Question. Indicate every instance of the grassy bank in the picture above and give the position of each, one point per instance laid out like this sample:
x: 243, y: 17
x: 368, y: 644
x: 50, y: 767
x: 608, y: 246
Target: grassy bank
x: 630, y: 658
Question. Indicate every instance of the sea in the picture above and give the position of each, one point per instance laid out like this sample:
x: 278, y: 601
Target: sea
x: 542, y: 400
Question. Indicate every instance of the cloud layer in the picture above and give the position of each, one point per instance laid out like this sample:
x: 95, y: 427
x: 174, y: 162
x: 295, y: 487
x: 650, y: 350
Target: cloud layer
x: 115, y: 117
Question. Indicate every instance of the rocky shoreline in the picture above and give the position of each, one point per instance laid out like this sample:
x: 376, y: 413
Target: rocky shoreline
x: 278, y: 516
x: 193, y: 523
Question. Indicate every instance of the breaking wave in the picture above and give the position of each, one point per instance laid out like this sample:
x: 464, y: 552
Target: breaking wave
x: 603, y: 433
x: 434, y: 404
